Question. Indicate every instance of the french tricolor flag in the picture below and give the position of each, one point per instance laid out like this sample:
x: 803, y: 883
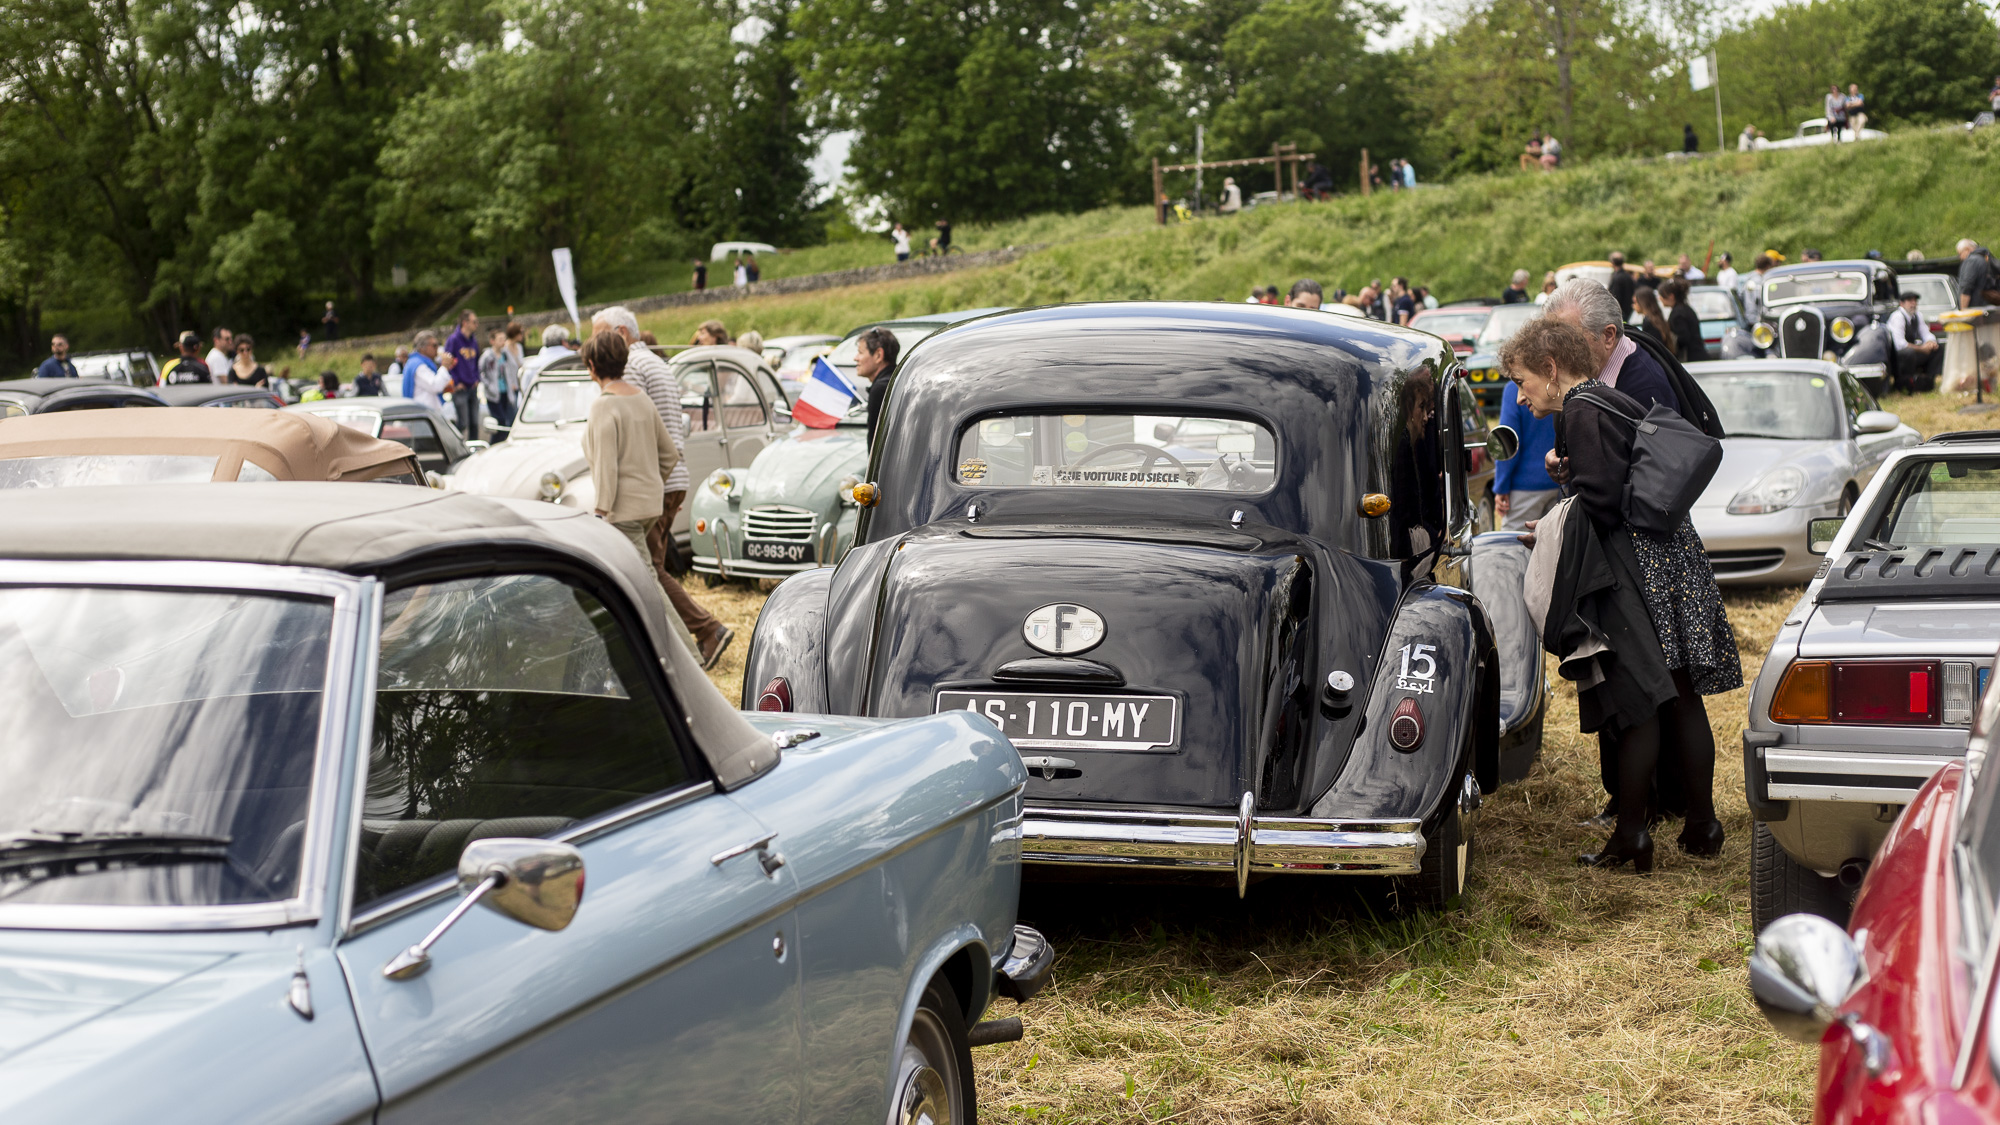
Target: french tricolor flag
x: 825, y: 397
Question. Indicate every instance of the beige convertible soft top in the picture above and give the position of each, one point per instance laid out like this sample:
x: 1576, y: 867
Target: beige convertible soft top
x: 339, y: 527
x: 289, y: 446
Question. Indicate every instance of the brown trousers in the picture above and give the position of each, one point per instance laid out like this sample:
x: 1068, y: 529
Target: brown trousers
x: 699, y: 621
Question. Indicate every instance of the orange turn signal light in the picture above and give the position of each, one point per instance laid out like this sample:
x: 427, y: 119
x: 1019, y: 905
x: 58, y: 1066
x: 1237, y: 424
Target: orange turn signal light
x: 866, y: 494
x: 1805, y: 695
x: 701, y: 527
x: 1374, y: 504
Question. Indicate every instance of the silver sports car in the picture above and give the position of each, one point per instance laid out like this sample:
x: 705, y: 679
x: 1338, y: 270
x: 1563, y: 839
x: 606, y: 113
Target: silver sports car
x: 1804, y: 439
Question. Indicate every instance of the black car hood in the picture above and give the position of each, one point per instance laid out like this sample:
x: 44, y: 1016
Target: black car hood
x: 1223, y: 620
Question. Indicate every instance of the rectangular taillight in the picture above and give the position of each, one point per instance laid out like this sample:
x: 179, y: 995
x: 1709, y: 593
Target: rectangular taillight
x: 1876, y: 693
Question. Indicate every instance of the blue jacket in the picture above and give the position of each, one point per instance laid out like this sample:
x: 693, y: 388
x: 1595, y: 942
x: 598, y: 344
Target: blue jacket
x: 417, y: 359
x: 53, y: 368
x: 1526, y: 471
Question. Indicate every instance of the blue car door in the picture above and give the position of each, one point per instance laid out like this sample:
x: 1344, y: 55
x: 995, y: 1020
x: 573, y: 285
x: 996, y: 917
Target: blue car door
x: 516, y: 705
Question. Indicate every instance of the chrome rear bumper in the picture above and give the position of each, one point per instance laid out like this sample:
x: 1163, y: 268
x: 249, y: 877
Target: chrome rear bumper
x: 1244, y: 843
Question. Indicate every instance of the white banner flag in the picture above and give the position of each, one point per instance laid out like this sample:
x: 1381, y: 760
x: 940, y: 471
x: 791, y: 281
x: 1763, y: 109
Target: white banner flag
x: 566, y: 282
x: 1701, y: 72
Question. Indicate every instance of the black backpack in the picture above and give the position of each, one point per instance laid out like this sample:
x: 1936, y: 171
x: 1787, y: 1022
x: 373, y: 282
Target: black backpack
x: 1695, y: 407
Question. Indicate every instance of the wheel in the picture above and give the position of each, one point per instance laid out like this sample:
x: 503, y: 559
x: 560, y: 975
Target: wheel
x: 714, y: 581
x: 1440, y: 877
x: 1781, y: 885
x: 934, y: 1072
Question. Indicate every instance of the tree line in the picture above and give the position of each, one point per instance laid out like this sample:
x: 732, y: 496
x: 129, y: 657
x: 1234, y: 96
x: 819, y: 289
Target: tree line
x: 167, y: 164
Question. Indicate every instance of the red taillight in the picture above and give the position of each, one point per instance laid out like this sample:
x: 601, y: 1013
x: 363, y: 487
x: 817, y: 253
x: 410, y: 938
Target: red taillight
x: 1406, y: 726
x: 776, y: 696
x: 1886, y: 692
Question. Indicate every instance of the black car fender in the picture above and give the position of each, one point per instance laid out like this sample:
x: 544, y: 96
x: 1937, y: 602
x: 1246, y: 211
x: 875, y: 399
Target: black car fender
x: 790, y: 642
x: 1438, y: 660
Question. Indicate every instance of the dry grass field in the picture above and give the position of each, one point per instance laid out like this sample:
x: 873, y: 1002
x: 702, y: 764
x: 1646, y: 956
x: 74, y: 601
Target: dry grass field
x: 1551, y: 993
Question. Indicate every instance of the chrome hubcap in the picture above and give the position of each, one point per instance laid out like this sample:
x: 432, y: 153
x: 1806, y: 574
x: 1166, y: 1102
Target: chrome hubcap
x: 924, y: 1099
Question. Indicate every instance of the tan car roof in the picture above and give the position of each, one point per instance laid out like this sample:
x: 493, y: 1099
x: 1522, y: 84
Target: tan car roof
x: 290, y: 446
x: 340, y: 527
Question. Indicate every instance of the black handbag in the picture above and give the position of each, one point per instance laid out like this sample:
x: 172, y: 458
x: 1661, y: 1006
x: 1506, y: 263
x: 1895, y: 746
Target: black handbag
x: 1672, y: 462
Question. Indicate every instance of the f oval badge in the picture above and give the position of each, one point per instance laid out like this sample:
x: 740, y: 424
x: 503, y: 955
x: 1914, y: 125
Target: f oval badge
x: 1062, y: 629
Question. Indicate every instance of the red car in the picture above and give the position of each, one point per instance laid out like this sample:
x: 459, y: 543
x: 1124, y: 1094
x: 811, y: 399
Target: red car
x: 1901, y: 1002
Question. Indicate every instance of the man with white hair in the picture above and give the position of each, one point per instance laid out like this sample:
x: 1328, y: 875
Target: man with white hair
x: 1516, y: 292
x: 555, y: 345
x: 650, y: 374
x: 1621, y: 361
x: 1975, y: 274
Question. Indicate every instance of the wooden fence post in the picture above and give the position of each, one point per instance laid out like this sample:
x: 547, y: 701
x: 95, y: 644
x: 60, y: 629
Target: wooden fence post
x: 1159, y: 202
x: 1364, y: 171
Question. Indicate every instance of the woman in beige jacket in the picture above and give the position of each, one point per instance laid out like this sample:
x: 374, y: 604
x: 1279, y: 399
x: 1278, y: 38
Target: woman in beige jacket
x: 629, y: 451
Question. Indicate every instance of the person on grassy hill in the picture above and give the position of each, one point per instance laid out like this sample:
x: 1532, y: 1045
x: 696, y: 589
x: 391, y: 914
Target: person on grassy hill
x: 1319, y: 181
x: 1396, y: 174
x: 1522, y: 488
x: 740, y: 276
x: 1552, y: 152
x: 1857, y: 109
x: 221, y: 355
x: 1689, y: 142
x: 1836, y: 111
x: 1919, y: 356
x: 1516, y: 292
x: 329, y: 323
x: 1811, y: 255
x: 1681, y: 319
x: 750, y: 271
x: 1976, y: 275
x: 1409, y: 173
x: 1747, y: 139
x: 1232, y: 197
x: 700, y: 282
x: 901, y: 237
x: 1531, y: 154
x: 1305, y: 294
x: 188, y: 366
x: 1621, y: 284
x: 1651, y: 602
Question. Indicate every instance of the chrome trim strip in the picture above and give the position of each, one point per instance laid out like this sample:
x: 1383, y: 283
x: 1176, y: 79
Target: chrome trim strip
x: 369, y: 649
x: 348, y: 595
x: 708, y: 564
x: 422, y: 894
x: 1209, y: 841
x: 1779, y: 760
x: 1857, y: 792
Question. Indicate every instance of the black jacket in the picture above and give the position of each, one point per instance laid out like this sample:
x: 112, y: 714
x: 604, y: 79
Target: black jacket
x: 1689, y: 399
x: 1622, y: 287
x: 878, y: 399
x: 1686, y: 327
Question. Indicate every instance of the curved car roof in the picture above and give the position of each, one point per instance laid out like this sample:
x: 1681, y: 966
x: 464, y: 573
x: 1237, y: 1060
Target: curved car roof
x: 198, y: 394
x: 45, y: 387
x: 933, y: 318
x: 289, y: 446
x: 365, y: 530
x: 1864, y: 265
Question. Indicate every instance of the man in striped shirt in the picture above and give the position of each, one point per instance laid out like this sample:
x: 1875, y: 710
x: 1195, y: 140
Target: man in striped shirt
x: 650, y: 374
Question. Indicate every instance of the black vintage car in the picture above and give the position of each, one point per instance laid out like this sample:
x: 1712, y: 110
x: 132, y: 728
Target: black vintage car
x: 47, y: 396
x: 240, y: 396
x: 1836, y: 311
x: 1212, y: 567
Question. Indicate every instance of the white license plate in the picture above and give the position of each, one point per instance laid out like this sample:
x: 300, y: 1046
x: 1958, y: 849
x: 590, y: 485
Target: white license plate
x: 770, y: 550
x: 1055, y: 720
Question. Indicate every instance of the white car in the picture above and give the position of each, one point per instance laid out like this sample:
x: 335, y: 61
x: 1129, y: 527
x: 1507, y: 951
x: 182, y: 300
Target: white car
x: 733, y: 405
x: 1804, y: 438
x: 1815, y: 132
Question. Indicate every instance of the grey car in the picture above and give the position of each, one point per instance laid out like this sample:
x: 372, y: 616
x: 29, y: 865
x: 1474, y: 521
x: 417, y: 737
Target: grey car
x: 1805, y: 437
x: 1872, y: 681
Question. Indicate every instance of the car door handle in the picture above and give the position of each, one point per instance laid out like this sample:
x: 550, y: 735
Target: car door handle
x: 767, y: 857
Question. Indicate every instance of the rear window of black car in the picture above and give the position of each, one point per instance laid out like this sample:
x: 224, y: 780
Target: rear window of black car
x: 1171, y: 452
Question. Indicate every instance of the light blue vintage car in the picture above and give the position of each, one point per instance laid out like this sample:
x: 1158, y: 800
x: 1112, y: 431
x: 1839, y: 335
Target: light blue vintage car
x: 300, y: 785
x: 792, y: 509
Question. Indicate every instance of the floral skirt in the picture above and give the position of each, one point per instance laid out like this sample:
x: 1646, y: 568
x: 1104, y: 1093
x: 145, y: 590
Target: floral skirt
x: 1686, y: 607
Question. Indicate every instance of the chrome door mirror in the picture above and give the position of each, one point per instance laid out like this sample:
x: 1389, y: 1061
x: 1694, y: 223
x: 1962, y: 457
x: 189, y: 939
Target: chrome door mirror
x: 1876, y: 422
x: 537, y: 882
x: 433, y: 478
x: 478, y: 446
x: 1820, y: 534
x: 1804, y: 969
x: 1502, y: 443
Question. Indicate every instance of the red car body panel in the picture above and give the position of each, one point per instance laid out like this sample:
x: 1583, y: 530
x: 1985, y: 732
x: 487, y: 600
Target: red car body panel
x: 1918, y: 992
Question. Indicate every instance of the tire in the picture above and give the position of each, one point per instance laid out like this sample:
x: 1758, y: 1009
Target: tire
x: 1441, y: 875
x: 714, y: 581
x: 934, y: 1071
x: 1781, y: 885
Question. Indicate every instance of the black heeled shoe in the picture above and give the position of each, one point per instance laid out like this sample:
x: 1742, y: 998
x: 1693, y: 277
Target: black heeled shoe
x: 1638, y: 852
x: 1702, y: 838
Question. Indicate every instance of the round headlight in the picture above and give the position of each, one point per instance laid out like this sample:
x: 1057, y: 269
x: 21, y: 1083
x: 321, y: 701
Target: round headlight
x: 1772, y: 492
x: 1842, y: 329
x: 552, y: 486
x: 1763, y: 335
x: 720, y: 483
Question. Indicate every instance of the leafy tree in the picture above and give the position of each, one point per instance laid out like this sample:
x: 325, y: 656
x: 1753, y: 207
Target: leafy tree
x: 1922, y: 60
x: 964, y: 111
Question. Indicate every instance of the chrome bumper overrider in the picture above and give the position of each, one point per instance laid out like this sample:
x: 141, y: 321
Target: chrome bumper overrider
x: 1244, y: 843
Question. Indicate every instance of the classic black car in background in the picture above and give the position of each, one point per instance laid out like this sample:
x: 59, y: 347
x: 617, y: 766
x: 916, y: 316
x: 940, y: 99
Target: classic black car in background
x: 1210, y: 567
x: 46, y: 396
x: 235, y: 395
x: 1835, y: 311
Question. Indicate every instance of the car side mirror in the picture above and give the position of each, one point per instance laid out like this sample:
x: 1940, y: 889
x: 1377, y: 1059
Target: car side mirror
x: 433, y: 478
x: 1502, y: 443
x: 783, y: 414
x: 478, y: 446
x: 535, y: 882
x: 488, y: 426
x: 1804, y: 969
x: 1876, y: 422
x: 1820, y: 534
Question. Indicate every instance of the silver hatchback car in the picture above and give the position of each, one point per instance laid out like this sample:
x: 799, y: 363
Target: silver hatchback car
x: 1871, y: 683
